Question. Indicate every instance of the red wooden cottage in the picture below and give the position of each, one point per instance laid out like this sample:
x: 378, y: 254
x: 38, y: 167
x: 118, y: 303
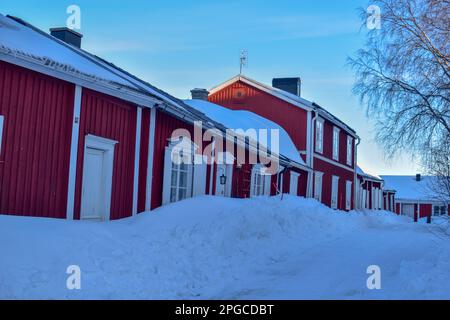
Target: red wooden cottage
x: 416, y: 196
x: 371, y: 193
x: 326, y: 144
x: 83, y: 139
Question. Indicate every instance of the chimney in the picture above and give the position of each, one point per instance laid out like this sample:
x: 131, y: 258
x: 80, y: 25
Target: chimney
x: 291, y: 85
x: 67, y: 35
x: 418, y: 177
x: 200, y: 94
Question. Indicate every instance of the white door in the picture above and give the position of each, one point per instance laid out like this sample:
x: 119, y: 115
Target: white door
x: 93, y: 191
x: 408, y: 210
x: 334, y: 192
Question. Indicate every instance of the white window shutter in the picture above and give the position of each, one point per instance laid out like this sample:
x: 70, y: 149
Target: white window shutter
x: 167, y: 176
x: 267, y: 182
x: 199, y: 177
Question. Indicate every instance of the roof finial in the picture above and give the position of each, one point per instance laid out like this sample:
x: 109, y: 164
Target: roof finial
x: 243, y: 60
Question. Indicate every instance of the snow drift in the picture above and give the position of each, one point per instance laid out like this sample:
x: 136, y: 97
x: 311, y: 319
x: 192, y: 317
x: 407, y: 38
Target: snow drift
x: 217, y: 248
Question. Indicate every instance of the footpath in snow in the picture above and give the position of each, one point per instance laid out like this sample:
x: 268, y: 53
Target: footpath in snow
x: 217, y: 248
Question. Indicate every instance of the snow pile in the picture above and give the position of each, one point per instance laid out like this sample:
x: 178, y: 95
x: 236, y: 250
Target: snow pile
x: 217, y: 248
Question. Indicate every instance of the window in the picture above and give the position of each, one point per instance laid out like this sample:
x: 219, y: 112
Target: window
x: 318, y: 186
x: 1, y: 132
x: 179, y: 181
x: 336, y: 132
x: 178, y: 171
x: 348, y: 195
x: 439, y: 210
x: 349, y: 151
x: 334, y: 192
x: 258, y: 183
x: 319, y: 135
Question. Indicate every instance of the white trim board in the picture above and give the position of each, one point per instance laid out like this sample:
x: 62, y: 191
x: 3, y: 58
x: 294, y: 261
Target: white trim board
x: 74, y: 153
x: 137, y: 154
x: 151, y: 148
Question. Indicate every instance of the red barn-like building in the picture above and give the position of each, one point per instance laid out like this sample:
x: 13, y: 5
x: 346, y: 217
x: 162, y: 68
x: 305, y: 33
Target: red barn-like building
x: 325, y: 143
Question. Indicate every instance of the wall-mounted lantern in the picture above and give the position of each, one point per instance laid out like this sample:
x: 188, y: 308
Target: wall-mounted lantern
x: 223, y: 180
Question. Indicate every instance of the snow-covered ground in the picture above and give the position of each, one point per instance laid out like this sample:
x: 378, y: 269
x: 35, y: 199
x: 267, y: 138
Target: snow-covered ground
x: 227, y: 249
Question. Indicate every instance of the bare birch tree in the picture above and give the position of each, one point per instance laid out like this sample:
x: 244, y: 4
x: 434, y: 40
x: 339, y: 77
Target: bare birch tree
x: 403, y: 78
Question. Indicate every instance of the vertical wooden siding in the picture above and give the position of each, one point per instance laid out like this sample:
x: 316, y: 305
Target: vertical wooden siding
x: 114, y: 119
x: 35, y: 153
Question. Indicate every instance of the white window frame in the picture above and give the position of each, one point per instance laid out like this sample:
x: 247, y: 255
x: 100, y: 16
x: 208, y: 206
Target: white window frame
x: 336, y: 138
x: 185, y: 146
x: 260, y: 182
x: 350, y: 151
x: 293, y: 187
x: 348, y: 195
x: 319, y: 134
x: 2, y: 119
x: 440, y: 206
x: 318, y: 185
x: 334, y: 192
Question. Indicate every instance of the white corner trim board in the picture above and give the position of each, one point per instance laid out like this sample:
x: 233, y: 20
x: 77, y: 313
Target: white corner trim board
x: 136, y: 159
x: 73, y: 153
x: 151, y: 148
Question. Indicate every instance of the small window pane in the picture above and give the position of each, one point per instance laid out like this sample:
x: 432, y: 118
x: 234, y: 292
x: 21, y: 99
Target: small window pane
x: 182, y: 194
x: 183, y: 179
x: 174, y: 178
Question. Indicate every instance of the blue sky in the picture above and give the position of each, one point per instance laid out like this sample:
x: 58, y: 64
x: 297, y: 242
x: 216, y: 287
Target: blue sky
x: 178, y: 45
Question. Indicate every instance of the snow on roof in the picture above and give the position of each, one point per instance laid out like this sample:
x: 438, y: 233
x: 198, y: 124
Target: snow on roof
x: 240, y: 119
x: 21, y: 38
x: 408, y: 188
x: 364, y: 173
x: 286, y: 96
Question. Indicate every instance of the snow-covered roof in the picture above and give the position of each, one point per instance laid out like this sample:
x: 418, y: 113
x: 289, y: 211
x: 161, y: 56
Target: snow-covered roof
x: 365, y: 174
x: 240, y: 119
x: 408, y: 188
x: 286, y: 96
x: 24, y: 41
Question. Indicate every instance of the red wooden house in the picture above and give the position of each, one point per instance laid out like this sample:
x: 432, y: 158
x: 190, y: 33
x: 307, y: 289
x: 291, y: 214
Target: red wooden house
x: 325, y: 143
x: 83, y: 139
x: 371, y: 193
x: 416, y: 196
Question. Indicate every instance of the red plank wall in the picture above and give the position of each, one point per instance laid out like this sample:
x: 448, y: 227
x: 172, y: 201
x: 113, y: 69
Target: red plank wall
x: 425, y: 210
x: 329, y: 170
x: 114, y: 119
x: 293, y: 119
x: 35, y: 152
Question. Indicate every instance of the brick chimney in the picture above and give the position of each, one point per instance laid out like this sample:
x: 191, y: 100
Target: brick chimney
x: 67, y: 35
x: 291, y: 85
x: 200, y: 94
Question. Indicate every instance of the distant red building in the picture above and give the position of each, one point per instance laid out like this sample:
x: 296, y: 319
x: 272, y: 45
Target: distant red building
x: 325, y: 143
